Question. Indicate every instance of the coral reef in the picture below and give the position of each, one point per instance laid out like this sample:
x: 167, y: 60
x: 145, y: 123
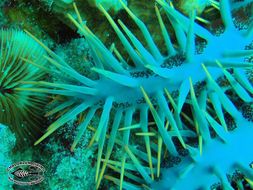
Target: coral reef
x: 21, y: 14
x: 78, y: 55
x: 8, y: 142
x: 68, y: 170
x: 187, y: 100
x: 168, y: 108
x: 2, y: 17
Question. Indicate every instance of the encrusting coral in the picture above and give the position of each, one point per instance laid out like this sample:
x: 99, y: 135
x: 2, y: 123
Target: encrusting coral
x: 198, y: 110
x: 8, y: 143
x: 65, y: 169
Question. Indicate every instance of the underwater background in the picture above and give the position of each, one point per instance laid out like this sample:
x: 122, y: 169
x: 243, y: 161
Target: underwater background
x: 127, y: 94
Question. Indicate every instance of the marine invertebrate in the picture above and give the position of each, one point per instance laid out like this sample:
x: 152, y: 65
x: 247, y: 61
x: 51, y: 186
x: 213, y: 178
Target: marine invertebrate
x: 217, y: 160
x: 123, y: 91
x: 20, y: 109
x: 108, y: 4
x: 58, y: 6
x: 197, y: 5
